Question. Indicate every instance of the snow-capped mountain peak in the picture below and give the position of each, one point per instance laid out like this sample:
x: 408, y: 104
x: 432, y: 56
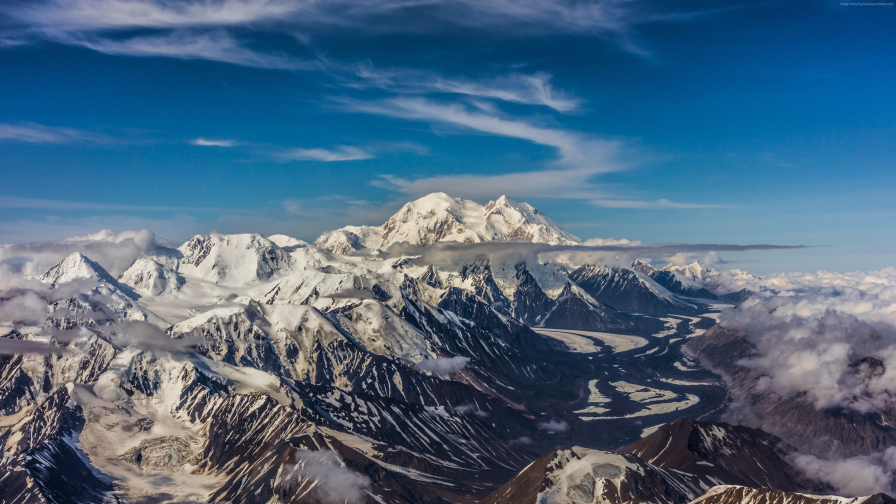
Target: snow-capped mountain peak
x: 694, y: 271
x: 713, y: 278
x: 233, y: 259
x: 439, y: 217
x: 75, y: 266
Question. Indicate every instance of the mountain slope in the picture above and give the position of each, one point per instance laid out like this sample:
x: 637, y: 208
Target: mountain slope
x: 714, y: 451
x: 675, y: 464
x: 845, y: 432
x: 741, y: 495
x: 628, y: 290
x: 575, y: 309
x: 282, y: 367
x: 232, y: 259
x: 578, y: 475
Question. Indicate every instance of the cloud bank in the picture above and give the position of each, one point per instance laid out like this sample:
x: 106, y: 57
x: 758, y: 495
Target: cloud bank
x: 831, y: 336
x: 853, y: 477
x: 616, y: 252
x: 115, y: 252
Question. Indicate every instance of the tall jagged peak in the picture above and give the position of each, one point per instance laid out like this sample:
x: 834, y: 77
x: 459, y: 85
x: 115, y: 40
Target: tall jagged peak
x: 643, y: 267
x: 440, y: 217
x: 76, y: 265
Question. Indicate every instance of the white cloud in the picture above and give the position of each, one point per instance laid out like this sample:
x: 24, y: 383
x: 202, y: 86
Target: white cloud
x: 659, y: 204
x: 25, y: 306
x: 203, y: 29
x: 38, y: 133
x: 443, y: 366
x: 95, y: 15
x: 853, y: 477
x: 340, y: 153
x: 594, y: 17
x: 215, y: 45
x: 580, y: 157
x: 205, y: 142
x: 575, y: 150
x: 528, y: 89
x: 113, y: 251
x: 332, y: 481
x: 831, y: 336
x: 9, y: 346
x: 554, y: 426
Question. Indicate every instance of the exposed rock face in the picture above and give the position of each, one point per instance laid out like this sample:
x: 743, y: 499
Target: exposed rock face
x: 627, y: 290
x: 580, y: 475
x: 575, y: 309
x: 714, y: 451
x: 431, y: 278
x: 846, y: 432
x: 169, y: 452
x: 41, y: 462
x: 479, y: 275
x: 530, y: 304
x: 743, y: 495
x: 675, y: 464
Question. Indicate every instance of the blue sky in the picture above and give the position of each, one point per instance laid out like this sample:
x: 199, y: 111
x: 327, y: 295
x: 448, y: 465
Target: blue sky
x: 689, y: 122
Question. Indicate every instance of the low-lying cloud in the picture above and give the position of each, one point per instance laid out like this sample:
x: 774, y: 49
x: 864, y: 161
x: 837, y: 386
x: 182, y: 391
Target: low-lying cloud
x: 13, y: 346
x: 554, y: 426
x: 621, y: 252
x: 330, y: 480
x: 444, y: 365
x: 831, y: 336
x: 115, y: 252
x: 855, y: 476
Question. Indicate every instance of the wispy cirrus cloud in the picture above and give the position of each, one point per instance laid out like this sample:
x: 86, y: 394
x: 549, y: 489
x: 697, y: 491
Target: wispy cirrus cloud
x: 95, y: 15
x: 527, y: 89
x: 215, y: 45
x: 38, y: 133
x: 350, y: 152
x: 595, y: 17
x: 204, y: 29
x: 46, y: 204
x: 575, y: 150
x: 220, y: 46
x: 659, y: 204
x: 580, y: 157
x: 339, y: 153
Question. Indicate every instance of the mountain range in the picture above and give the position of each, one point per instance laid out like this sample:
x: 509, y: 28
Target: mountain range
x: 374, y: 365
